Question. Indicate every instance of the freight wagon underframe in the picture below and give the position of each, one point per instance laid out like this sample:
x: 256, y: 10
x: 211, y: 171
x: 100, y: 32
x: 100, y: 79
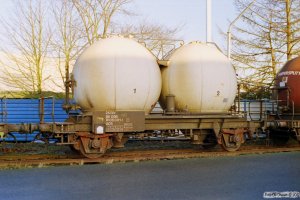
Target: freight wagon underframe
x: 92, y: 134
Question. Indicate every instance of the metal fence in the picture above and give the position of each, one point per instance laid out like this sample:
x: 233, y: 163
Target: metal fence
x: 257, y: 110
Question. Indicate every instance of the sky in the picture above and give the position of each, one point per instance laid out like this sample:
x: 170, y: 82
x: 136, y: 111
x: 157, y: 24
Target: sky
x: 188, y: 14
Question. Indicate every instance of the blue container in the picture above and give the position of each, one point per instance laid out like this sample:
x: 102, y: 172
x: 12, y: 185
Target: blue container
x: 16, y: 111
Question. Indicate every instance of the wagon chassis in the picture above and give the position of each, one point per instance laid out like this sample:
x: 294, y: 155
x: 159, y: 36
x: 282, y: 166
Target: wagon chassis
x: 94, y: 133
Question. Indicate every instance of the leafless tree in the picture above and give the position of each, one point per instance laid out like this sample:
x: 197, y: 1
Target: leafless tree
x: 25, y: 58
x: 268, y: 36
x: 68, y: 40
x: 96, y: 16
x: 160, y: 40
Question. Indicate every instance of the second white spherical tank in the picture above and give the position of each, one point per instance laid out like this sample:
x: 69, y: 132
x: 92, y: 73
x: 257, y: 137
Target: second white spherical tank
x: 201, y: 78
x: 116, y: 74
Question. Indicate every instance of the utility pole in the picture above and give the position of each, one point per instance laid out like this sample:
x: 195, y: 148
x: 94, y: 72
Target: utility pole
x: 208, y: 21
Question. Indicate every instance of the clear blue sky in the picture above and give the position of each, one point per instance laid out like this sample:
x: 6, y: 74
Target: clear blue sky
x: 189, y: 13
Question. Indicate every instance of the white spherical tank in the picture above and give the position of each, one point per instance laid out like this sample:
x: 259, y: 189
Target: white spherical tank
x: 116, y: 74
x: 201, y: 78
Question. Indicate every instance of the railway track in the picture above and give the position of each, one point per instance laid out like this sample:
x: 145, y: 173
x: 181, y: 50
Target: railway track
x: 48, y: 158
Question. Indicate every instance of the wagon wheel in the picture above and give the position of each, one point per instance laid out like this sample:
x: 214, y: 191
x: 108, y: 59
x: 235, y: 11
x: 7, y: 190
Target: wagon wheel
x: 231, y: 142
x: 87, y: 150
x: 9, y: 137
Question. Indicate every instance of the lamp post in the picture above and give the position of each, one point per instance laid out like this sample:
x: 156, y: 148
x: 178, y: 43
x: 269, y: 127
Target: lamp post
x: 230, y: 26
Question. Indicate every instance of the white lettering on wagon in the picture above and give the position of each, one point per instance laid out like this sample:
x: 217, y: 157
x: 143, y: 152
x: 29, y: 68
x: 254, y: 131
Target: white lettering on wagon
x: 289, y: 73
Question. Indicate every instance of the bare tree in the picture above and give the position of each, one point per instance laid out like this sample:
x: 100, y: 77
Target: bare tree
x: 97, y: 22
x: 67, y: 40
x: 290, y: 19
x: 96, y: 16
x: 160, y: 40
x: 25, y: 58
x: 109, y: 9
x: 268, y: 36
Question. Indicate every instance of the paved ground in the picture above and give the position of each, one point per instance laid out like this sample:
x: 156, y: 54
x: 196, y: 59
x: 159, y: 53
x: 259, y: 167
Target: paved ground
x: 241, y: 177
